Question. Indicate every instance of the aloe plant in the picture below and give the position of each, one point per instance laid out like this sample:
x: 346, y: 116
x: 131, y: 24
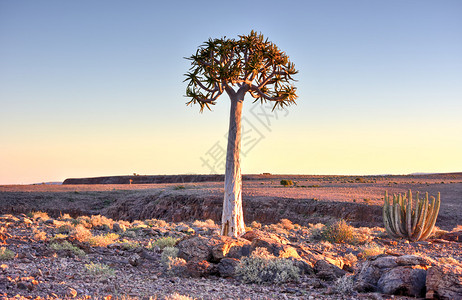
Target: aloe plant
x: 405, y: 219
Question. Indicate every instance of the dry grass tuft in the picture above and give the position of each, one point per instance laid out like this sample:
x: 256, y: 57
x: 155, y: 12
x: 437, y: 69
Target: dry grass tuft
x: 209, y: 223
x: 103, y: 240
x: 39, y: 235
x: 339, y: 232
x: 370, y: 250
x: 6, y: 254
x: 286, y: 224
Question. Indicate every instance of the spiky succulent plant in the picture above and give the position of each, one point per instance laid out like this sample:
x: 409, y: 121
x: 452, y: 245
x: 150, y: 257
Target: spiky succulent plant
x: 405, y: 219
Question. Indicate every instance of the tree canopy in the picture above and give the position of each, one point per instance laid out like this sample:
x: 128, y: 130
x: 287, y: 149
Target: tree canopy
x: 249, y: 64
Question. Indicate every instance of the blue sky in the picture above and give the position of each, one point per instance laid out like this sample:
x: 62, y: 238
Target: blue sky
x: 90, y: 88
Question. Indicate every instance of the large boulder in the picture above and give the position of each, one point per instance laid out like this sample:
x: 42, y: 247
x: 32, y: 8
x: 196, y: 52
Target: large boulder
x: 327, y: 271
x: 444, y: 282
x: 402, y: 275
x: 227, y: 267
x: 212, y: 249
x: 403, y: 280
x: 230, y: 247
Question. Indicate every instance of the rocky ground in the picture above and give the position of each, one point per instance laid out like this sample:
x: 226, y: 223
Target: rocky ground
x: 96, y: 257
x: 143, y: 241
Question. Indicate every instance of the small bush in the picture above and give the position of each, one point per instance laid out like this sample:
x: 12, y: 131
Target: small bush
x: 40, y: 235
x: 179, y: 187
x: 338, y: 232
x: 66, y: 228
x: 38, y: 214
x: 262, y: 267
x: 287, y: 182
x: 67, y: 246
x: 81, y: 234
x: 156, y: 223
x: 286, y: 224
x: 165, y: 242
x: 101, y: 221
x: 103, y: 240
x: 168, y: 252
x: 255, y: 225
x: 97, y: 269
x: 370, y: 250
x: 344, y: 285
x: 6, y: 254
x: 209, y: 223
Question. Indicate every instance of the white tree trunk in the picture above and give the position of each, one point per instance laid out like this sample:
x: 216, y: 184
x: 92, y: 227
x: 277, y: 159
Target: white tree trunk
x: 233, y: 218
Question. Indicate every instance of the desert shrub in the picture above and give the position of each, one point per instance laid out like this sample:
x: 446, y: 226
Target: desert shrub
x: 81, y: 234
x: 287, y: 182
x: 65, y: 245
x: 103, y: 240
x: 38, y: 214
x: 209, y: 223
x: 172, y: 263
x: 165, y: 242
x: 66, y: 228
x: 156, y: 223
x: 255, y: 225
x: 168, y: 252
x: 315, y: 232
x: 369, y: 250
x: 66, y: 217
x: 344, y: 285
x: 129, y: 234
x: 262, y: 267
x: 97, y: 269
x: 59, y: 236
x: 6, y: 254
x: 129, y: 245
x: 338, y: 232
x: 40, y: 235
x: 286, y: 224
x: 179, y: 187
x: 101, y: 221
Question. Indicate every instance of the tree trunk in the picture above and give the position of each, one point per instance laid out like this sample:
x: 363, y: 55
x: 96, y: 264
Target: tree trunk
x: 233, y: 218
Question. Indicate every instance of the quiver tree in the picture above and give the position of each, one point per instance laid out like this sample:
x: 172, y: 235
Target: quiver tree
x: 250, y: 64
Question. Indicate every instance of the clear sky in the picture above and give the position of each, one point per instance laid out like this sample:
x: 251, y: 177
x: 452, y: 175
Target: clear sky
x: 93, y: 88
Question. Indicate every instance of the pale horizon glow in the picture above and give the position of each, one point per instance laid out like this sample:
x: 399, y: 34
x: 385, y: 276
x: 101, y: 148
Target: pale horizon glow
x: 92, y: 89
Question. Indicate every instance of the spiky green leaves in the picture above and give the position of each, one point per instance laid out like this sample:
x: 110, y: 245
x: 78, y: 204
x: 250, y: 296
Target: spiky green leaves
x: 250, y: 63
x: 404, y: 219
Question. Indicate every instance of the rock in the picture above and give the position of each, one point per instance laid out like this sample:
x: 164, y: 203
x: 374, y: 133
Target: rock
x: 185, y: 229
x: 227, y: 267
x: 411, y: 260
x: 403, y: 280
x: 304, y: 266
x: 199, y: 268
x: 453, y: 236
x: 117, y: 227
x: 403, y: 275
x: 230, y: 247
x: 275, y: 247
x: 134, y: 260
x: 327, y: 271
x: 444, y: 282
x: 197, y: 248
x: 253, y: 234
